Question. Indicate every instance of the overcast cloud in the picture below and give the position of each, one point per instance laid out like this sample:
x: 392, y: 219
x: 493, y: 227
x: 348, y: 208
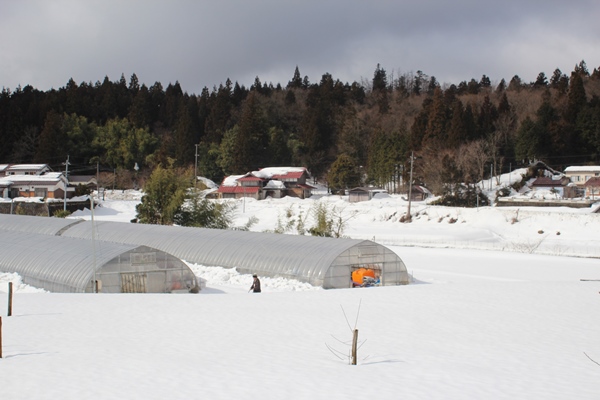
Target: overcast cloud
x: 201, y: 43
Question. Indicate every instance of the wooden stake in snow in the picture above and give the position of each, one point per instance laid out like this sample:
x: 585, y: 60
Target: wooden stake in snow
x: 354, y: 342
x: 10, y: 297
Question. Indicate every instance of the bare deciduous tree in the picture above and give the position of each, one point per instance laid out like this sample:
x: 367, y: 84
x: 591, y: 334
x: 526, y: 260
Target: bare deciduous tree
x: 472, y: 160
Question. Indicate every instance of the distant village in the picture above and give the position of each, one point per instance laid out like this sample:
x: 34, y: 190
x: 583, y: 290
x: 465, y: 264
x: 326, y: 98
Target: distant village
x: 38, y: 182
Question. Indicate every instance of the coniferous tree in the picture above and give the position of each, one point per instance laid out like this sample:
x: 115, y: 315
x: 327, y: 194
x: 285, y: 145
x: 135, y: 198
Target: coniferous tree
x: 469, y: 123
x: 279, y: 151
x: 485, y: 82
x: 72, y: 98
x: 528, y: 141
x: 170, y: 109
x: 503, y: 105
x: 219, y: 119
x: 418, y: 129
x: 432, y: 86
x: 457, y: 129
x: 296, y: 82
x: 380, y: 87
x: 134, y: 84
x: 252, y: 144
x: 588, y: 126
x: 79, y: 137
x: 186, y: 131
x: 515, y: 83
x: 541, y: 81
x: 109, y: 103
x: 576, y: 99
x: 559, y: 81
x: 318, y: 126
x: 501, y: 86
x: 238, y: 95
x: 227, y: 158
x: 581, y: 69
x: 487, y: 116
x: 436, y: 133
x: 140, y: 112
x: 344, y: 174
x: 50, y: 146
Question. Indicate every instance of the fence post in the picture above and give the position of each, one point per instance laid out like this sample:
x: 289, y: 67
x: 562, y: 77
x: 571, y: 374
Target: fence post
x: 10, y: 298
x: 354, y: 343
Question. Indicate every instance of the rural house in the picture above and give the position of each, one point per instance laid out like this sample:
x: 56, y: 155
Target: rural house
x: 592, y: 187
x: 558, y: 186
x: 275, y: 182
x: 32, y: 180
x: 419, y: 193
x: 579, y: 175
x: 363, y: 193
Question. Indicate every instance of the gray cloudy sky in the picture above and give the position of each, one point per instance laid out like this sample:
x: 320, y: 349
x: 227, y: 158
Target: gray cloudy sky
x: 201, y: 43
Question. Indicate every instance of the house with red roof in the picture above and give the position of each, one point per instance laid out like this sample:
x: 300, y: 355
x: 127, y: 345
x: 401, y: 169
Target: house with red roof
x: 592, y: 187
x: 274, y: 182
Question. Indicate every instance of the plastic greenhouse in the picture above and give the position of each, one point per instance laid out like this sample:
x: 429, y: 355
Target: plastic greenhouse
x: 325, y: 262
x: 69, y: 265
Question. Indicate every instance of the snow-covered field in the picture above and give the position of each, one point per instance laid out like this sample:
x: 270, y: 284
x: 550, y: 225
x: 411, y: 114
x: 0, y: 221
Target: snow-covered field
x: 497, y: 311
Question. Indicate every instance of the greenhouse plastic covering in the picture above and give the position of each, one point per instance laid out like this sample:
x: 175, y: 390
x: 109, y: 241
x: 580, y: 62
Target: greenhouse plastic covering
x: 325, y: 262
x: 70, y: 265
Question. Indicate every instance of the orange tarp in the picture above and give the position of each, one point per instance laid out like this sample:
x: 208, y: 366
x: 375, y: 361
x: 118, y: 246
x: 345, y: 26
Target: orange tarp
x: 359, y: 274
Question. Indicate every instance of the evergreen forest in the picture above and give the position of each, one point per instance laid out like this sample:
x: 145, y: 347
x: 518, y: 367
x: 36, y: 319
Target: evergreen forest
x: 346, y: 134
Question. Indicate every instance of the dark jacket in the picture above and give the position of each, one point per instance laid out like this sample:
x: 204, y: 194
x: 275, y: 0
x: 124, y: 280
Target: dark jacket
x: 255, y: 286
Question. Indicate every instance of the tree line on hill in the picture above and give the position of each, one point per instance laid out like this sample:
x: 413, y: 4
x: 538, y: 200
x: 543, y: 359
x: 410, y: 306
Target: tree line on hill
x: 347, y: 134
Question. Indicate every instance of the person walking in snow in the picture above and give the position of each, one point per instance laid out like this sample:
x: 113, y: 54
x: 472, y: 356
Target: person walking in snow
x: 256, y: 284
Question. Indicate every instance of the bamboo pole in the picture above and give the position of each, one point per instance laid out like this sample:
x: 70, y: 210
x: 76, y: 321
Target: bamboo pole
x: 354, y: 343
x: 10, y: 298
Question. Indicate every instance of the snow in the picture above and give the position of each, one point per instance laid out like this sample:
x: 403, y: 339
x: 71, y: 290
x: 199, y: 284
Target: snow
x: 496, y: 310
x: 269, y: 172
x: 231, y: 180
x: 584, y: 168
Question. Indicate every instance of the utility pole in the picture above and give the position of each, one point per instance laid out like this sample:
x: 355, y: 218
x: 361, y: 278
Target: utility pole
x: 66, y: 183
x: 98, y: 178
x: 196, y: 169
x: 408, y: 216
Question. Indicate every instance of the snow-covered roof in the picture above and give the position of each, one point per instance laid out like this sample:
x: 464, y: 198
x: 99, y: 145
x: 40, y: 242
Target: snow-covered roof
x: 207, y: 182
x: 266, y: 174
x: 583, y: 168
x: 275, y: 185
x: 26, y: 167
x: 368, y: 189
x: 270, y: 172
x: 231, y: 180
x: 48, y: 177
